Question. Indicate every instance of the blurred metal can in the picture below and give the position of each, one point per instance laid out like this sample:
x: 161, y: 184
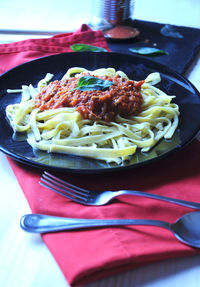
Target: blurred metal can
x: 108, y: 13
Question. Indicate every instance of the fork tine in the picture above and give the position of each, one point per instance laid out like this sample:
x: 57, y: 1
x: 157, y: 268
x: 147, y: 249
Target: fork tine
x: 61, y: 193
x: 61, y: 188
x: 64, y: 183
x: 64, y: 188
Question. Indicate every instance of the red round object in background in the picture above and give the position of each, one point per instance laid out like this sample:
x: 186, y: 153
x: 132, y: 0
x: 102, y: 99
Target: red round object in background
x: 121, y: 32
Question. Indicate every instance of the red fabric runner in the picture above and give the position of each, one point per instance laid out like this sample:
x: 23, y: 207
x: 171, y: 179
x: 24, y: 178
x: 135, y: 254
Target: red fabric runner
x: 88, y: 255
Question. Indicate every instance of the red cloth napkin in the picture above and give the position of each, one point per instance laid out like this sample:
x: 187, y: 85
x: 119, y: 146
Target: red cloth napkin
x: 17, y: 53
x: 92, y: 254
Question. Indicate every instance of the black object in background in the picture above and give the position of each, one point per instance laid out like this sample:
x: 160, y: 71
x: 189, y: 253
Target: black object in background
x: 181, y: 51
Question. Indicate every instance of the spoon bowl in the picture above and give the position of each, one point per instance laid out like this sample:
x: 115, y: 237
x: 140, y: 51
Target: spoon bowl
x: 186, y: 228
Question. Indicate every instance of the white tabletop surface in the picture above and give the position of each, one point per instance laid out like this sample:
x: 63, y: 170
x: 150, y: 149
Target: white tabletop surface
x: 24, y: 259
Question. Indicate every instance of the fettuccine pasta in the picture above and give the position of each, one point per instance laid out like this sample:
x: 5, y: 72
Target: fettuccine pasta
x: 66, y: 130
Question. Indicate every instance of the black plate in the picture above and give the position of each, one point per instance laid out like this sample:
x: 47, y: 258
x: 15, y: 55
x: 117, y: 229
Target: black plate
x: 137, y: 68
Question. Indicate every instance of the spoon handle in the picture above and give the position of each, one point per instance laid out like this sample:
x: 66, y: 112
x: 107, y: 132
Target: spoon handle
x: 38, y: 223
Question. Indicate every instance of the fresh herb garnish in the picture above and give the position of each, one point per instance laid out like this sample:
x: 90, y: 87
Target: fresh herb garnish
x: 148, y: 51
x: 170, y: 31
x: 85, y: 48
x: 90, y: 83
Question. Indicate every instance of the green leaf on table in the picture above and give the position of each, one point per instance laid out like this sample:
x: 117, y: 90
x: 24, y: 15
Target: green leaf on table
x: 148, y: 51
x: 170, y: 31
x: 86, y: 48
x: 90, y: 83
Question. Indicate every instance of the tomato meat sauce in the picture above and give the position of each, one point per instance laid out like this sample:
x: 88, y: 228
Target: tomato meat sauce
x: 122, y: 98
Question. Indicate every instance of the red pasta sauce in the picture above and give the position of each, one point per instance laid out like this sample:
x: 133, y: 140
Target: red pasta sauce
x: 122, y: 98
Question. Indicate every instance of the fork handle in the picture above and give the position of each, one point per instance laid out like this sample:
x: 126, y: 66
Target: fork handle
x: 39, y: 223
x: 159, y: 197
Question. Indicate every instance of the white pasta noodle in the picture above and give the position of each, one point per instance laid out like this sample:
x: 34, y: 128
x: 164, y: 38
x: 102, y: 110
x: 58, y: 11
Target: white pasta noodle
x: 63, y: 130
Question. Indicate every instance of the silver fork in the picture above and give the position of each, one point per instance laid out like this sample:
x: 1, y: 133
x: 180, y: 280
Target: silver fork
x: 90, y: 197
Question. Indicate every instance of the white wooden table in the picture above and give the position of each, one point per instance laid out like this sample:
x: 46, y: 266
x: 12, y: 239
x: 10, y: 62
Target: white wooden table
x: 24, y: 259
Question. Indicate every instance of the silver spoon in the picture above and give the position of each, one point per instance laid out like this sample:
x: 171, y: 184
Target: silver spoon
x: 186, y: 228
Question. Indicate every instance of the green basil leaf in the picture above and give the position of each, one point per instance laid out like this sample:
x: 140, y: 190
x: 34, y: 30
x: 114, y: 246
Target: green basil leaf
x: 148, y: 51
x: 85, y: 48
x: 92, y: 83
x: 170, y: 31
